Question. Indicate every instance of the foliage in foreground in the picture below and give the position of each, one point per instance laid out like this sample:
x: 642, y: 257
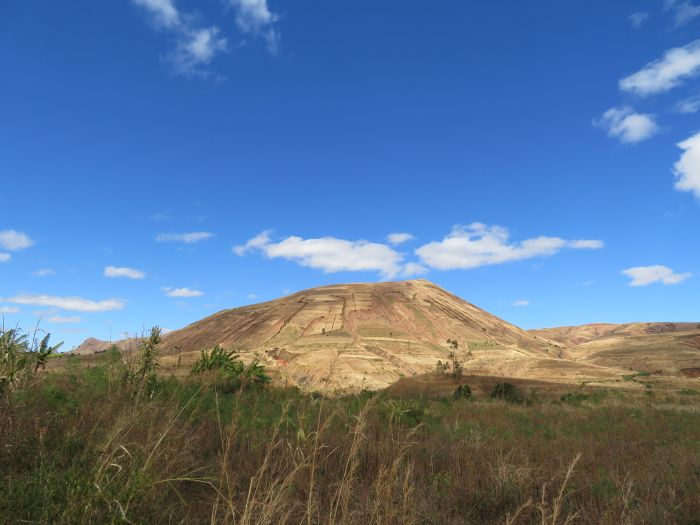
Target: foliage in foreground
x: 226, y: 363
x: 20, y: 357
x: 79, y: 448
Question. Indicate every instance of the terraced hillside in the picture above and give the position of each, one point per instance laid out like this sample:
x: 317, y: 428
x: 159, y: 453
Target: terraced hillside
x: 346, y: 337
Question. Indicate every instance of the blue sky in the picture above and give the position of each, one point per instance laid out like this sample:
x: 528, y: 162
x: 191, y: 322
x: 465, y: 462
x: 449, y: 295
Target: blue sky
x: 161, y: 160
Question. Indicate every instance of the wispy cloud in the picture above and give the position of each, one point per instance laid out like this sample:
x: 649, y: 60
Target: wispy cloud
x: 123, y: 271
x: 687, y: 169
x: 399, y: 238
x: 5, y: 257
x: 259, y: 241
x: 521, y: 302
x: 328, y: 253
x: 9, y: 309
x: 412, y: 269
x: 13, y: 240
x: 44, y: 272
x: 182, y: 292
x: 254, y: 17
x: 638, y: 18
x: 684, y: 11
x: 688, y: 105
x: 64, y: 320
x: 75, y: 304
x: 671, y: 70
x: 586, y: 244
x: 161, y: 216
x: 187, y: 238
x: 478, y: 245
x: 196, y: 46
x: 627, y: 126
x: 646, y: 275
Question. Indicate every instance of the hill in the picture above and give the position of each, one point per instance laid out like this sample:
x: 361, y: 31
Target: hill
x: 353, y: 336
x: 663, y: 350
x: 570, y: 336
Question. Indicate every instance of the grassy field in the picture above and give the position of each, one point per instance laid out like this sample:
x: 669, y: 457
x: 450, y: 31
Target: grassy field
x: 78, y: 445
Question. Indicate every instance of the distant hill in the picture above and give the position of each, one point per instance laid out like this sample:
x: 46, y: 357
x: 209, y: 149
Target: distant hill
x: 95, y: 346
x: 576, y: 335
x: 664, y: 348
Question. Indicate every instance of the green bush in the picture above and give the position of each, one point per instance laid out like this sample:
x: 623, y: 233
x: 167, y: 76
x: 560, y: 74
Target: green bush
x: 507, y: 392
x: 575, y: 398
x: 463, y: 392
x: 226, y: 365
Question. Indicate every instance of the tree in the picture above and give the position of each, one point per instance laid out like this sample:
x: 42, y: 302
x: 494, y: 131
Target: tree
x: 442, y: 368
x: 456, y: 365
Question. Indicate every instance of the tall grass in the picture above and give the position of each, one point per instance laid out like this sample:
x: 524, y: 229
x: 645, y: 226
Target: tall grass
x: 75, y: 448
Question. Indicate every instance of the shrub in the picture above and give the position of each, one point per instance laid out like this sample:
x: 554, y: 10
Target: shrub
x: 140, y: 374
x: 227, y: 366
x: 463, y: 392
x: 507, y: 392
x: 18, y: 356
x: 575, y: 398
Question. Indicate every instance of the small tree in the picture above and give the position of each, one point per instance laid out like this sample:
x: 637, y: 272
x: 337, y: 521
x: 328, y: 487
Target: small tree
x: 442, y: 368
x: 456, y: 364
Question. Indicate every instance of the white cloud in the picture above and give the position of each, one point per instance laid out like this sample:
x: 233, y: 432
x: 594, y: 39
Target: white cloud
x: 64, y: 320
x: 684, y: 10
x: 638, y: 18
x: 252, y: 296
x: 196, y: 46
x: 687, y: 169
x: 627, y: 126
x: 255, y: 17
x: 76, y: 304
x: 5, y: 257
x: 645, y: 275
x: 669, y: 71
x: 12, y: 240
x: 411, y: 269
x: 521, y: 302
x: 480, y: 245
x: 399, y: 238
x: 44, y: 272
x: 8, y: 309
x: 328, y: 253
x: 122, y: 271
x: 164, y: 12
x: 188, y: 238
x: 258, y: 241
x: 182, y: 292
x: 688, y: 105
x: 587, y: 244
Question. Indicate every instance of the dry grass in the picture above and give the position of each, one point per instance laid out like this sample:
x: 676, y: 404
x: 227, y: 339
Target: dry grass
x: 74, y: 448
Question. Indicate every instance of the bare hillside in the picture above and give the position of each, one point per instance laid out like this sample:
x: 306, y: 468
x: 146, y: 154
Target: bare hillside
x: 369, y: 335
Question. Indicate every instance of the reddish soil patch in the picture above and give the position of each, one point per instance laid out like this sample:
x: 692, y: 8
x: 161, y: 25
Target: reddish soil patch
x: 690, y: 372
